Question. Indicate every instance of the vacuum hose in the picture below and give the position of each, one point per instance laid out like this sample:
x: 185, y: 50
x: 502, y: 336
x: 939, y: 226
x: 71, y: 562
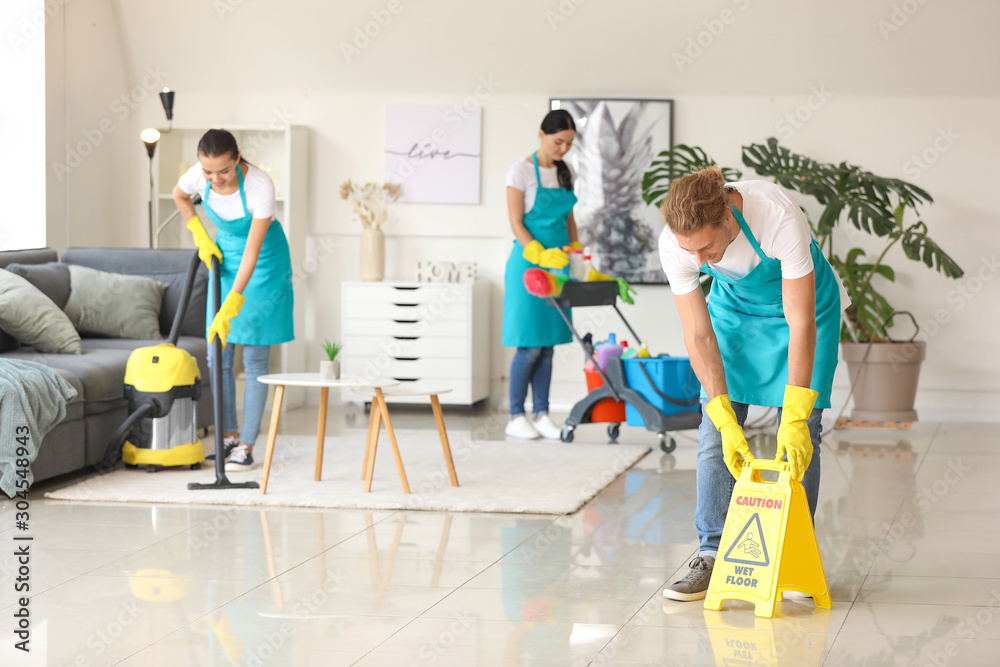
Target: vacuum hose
x: 114, y: 451
x: 175, y: 330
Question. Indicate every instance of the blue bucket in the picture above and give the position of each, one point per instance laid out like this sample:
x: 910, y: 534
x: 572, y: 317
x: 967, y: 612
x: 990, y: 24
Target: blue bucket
x: 672, y: 377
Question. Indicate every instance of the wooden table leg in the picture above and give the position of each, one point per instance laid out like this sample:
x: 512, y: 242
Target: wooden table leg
x: 392, y: 439
x: 376, y: 419
x: 439, y: 418
x: 374, y: 425
x: 324, y: 394
x: 279, y: 394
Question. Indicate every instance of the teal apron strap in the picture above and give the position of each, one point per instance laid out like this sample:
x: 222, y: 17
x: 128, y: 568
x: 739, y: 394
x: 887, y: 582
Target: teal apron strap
x: 746, y: 231
x: 243, y: 194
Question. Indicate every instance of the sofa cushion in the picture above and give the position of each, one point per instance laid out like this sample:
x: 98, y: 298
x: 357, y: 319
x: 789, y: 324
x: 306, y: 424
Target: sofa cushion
x: 100, y: 373
x: 33, y: 256
x: 33, y: 319
x: 52, y: 278
x: 169, y: 266
x: 114, y: 304
x: 74, y: 408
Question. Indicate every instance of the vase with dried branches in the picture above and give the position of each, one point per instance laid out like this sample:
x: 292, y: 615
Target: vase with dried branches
x: 369, y: 202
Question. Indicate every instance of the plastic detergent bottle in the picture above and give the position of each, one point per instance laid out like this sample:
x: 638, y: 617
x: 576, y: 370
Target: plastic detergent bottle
x: 643, y: 351
x: 587, y: 266
x: 628, y: 352
x: 610, y: 349
x: 576, y: 265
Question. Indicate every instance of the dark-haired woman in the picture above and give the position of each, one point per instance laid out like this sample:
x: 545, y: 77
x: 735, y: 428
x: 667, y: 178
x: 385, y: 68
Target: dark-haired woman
x: 255, y: 273
x: 540, y: 203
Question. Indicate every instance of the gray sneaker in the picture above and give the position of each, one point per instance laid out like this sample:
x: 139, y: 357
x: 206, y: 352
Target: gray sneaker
x: 695, y: 585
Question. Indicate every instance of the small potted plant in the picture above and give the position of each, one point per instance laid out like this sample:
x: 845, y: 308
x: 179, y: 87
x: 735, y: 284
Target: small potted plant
x: 329, y: 368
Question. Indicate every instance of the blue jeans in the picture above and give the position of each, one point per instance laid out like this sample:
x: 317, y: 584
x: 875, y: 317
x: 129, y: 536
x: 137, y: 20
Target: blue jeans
x: 531, y: 365
x: 715, y: 482
x: 256, y: 362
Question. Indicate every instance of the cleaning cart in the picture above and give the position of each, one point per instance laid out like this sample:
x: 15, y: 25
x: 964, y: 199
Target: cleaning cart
x: 660, y: 393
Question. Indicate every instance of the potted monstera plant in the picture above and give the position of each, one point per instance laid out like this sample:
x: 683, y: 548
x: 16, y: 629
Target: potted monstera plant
x: 883, y: 370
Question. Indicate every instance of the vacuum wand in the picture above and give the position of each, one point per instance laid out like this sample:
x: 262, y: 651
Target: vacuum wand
x: 221, y: 481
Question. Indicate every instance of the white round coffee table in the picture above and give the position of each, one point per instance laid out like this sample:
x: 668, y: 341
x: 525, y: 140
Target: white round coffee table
x: 282, y: 380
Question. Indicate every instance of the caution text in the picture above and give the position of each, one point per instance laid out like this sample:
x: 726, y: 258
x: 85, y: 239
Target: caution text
x: 757, y: 501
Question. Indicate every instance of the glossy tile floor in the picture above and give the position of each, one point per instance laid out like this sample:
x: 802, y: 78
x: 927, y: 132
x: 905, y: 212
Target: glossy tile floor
x: 907, y: 527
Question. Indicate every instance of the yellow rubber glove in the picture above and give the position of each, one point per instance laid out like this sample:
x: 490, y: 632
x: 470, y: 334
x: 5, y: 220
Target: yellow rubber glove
x: 206, y: 246
x: 793, y: 432
x: 597, y: 275
x: 547, y: 258
x: 220, y: 324
x: 734, y: 443
x: 576, y: 245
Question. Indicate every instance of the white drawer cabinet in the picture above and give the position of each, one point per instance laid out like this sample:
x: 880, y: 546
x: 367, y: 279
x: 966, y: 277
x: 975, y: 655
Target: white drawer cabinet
x: 437, y: 334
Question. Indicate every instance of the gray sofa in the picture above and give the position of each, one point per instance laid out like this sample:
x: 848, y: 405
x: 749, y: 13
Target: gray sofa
x: 80, y: 440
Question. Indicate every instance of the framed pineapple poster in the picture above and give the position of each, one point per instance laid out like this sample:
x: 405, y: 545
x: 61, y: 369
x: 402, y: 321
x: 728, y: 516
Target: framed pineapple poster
x: 616, y: 140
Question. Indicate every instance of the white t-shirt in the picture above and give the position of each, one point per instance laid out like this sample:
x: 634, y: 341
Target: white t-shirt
x: 521, y: 175
x: 257, y: 185
x: 778, y: 224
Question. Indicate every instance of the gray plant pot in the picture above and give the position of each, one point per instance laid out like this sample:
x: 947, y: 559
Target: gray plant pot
x: 329, y: 370
x: 885, y: 382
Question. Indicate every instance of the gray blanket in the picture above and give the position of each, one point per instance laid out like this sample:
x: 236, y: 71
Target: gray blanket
x: 33, y: 399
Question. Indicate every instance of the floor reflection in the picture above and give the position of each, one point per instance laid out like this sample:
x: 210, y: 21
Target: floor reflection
x: 795, y: 640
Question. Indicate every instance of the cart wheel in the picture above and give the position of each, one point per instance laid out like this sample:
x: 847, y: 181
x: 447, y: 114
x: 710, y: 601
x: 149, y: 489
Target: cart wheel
x: 195, y: 466
x: 666, y: 444
x: 131, y: 466
x: 613, y: 430
x: 152, y: 468
x: 567, y: 434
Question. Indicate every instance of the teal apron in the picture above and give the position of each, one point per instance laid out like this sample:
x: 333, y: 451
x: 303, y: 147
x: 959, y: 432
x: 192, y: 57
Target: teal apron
x: 528, y: 321
x: 750, y: 325
x: 266, y: 316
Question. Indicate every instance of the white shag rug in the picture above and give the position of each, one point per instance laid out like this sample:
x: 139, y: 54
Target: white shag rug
x: 535, y: 477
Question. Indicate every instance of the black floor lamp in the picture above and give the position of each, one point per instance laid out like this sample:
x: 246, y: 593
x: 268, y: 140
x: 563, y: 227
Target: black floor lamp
x: 149, y: 137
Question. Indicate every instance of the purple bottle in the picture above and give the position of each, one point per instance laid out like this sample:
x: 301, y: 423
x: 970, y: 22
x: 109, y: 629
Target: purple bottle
x: 610, y: 349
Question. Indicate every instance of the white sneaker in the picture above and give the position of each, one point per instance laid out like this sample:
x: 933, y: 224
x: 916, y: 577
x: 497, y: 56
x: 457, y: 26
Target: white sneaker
x: 796, y: 595
x: 240, y: 459
x: 520, y: 427
x: 547, y: 428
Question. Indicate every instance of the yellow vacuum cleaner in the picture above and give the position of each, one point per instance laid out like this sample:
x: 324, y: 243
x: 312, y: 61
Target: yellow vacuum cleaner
x: 162, y: 386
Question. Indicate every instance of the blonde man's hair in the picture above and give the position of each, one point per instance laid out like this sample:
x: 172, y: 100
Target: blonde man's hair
x: 696, y: 200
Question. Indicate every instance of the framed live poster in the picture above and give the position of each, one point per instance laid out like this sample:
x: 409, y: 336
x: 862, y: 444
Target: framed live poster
x: 616, y: 140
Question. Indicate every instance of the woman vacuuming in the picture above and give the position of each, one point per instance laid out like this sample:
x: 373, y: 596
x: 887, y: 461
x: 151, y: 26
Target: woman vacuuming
x: 540, y: 203
x: 255, y: 273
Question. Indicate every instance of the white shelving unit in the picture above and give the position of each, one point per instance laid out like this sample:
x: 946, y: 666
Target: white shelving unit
x: 434, y: 334
x: 283, y: 154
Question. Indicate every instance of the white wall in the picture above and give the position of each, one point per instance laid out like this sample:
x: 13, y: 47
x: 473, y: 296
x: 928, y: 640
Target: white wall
x: 22, y: 124
x: 91, y: 95
x: 863, y: 90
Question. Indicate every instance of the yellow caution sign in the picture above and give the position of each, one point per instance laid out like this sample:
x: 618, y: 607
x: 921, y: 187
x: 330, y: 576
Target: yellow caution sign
x: 768, y: 544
